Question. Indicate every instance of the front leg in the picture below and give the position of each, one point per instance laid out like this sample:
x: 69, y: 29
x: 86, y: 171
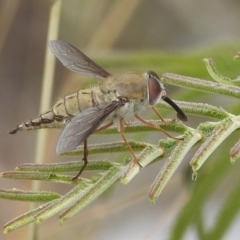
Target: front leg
x: 122, y: 121
x: 156, y: 127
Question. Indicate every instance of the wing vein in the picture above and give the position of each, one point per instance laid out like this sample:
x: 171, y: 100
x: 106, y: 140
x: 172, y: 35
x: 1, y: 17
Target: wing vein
x: 83, y: 125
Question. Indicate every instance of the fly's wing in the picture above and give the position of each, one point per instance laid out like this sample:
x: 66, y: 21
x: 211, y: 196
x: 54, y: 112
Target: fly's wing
x: 76, y: 61
x: 180, y: 114
x: 83, y: 125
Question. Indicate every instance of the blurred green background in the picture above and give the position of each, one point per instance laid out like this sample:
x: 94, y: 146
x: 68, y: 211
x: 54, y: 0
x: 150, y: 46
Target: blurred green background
x: 163, y: 36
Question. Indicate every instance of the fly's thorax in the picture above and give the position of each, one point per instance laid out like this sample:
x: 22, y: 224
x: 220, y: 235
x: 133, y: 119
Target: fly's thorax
x: 141, y: 90
x: 130, y: 85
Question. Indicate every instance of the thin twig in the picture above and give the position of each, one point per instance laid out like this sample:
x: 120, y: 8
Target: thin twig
x: 46, y: 93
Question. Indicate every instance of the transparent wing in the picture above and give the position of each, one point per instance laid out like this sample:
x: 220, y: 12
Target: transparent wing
x: 76, y: 61
x: 83, y: 125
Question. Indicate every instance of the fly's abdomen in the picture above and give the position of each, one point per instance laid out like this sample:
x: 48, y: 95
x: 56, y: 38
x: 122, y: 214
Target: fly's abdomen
x: 63, y: 110
x: 45, y: 120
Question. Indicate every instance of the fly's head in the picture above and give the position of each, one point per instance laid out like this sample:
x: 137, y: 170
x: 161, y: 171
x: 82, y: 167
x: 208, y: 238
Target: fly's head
x: 155, y: 88
x: 156, y: 92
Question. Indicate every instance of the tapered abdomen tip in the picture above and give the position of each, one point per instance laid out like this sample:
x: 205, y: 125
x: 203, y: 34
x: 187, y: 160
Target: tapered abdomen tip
x: 15, y: 130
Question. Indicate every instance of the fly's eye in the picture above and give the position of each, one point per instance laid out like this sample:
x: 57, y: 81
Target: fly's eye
x: 154, y: 88
x: 141, y: 100
x: 153, y: 74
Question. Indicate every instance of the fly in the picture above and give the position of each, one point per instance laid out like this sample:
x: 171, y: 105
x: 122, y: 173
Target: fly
x: 117, y: 98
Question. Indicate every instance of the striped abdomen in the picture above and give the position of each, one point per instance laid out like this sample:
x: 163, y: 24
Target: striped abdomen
x: 63, y: 110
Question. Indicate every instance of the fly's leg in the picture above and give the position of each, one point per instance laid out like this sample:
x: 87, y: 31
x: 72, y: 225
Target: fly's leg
x: 85, y: 155
x: 157, y: 127
x: 85, y: 150
x: 161, y: 118
x: 104, y: 127
x: 125, y: 140
x: 126, y: 123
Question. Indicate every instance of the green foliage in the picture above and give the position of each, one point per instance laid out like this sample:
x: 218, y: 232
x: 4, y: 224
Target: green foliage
x: 207, y: 134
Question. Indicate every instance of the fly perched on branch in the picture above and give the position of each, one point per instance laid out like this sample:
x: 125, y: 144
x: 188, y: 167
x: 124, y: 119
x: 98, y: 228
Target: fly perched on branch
x: 117, y: 98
